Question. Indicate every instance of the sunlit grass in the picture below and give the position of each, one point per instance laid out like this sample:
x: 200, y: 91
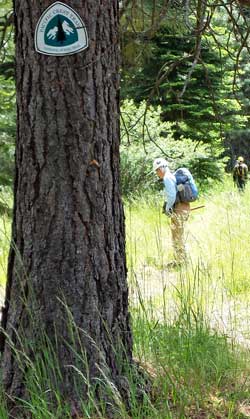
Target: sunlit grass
x: 5, y: 227
x: 148, y: 240
x: 5, y: 224
x: 217, y: 237
x: 193, y: 324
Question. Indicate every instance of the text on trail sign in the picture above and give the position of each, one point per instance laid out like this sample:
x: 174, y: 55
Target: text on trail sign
x: 60, y: 31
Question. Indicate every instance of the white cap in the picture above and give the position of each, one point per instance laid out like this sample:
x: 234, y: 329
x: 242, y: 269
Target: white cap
x: 160, y: 162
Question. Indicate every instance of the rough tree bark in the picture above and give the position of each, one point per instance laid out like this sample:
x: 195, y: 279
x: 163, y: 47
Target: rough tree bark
x: 68, y: 239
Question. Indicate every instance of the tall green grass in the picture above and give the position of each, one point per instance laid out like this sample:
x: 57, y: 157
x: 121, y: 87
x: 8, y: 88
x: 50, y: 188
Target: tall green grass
x: 5, y: 226
x: 4, y: 246
x: 191, y: 326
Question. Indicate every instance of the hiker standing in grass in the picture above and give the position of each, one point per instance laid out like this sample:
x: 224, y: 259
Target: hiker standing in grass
x: 240, y: 172
x: 177, y: 211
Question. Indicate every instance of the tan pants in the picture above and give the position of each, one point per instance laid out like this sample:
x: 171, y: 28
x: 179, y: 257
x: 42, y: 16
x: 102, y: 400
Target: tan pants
x: 178, y: 220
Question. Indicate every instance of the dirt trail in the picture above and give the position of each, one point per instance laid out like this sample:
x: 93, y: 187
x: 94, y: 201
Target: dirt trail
x: 165, y: 292
x: 162, y: 293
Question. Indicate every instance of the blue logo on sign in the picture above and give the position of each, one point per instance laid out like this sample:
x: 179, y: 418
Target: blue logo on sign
x: 60, y: 32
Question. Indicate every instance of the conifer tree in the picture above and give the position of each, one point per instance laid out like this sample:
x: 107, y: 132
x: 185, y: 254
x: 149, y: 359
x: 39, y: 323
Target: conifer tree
x: 67, y: 271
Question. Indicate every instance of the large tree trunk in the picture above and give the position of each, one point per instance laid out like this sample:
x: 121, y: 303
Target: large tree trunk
x: 68, y: 241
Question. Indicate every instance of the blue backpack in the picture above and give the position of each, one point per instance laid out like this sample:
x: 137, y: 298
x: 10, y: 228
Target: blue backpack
x: 187, y: 190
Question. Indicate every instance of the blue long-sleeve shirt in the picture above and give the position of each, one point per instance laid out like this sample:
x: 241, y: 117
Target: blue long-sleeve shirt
x: 170, y: 189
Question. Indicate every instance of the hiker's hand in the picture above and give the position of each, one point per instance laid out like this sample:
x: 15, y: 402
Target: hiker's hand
x: 169, y: 213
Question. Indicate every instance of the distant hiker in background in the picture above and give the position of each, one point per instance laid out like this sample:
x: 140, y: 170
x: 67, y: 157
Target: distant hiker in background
x: 240, y: 172
x: 180, y: 190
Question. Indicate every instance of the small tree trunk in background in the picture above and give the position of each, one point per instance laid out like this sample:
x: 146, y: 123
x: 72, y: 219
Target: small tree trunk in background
x: 68, y: 239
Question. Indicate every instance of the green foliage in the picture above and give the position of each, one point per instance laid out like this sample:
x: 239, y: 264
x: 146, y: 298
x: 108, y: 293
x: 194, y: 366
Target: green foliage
x: 4, y: 248
x: 7, y: 96
x: 7, y: 131
x: 145, y: 140
x: 201, y: 108
x: 208, y: 99
x: 6, y: 39
x: 237, y: 140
